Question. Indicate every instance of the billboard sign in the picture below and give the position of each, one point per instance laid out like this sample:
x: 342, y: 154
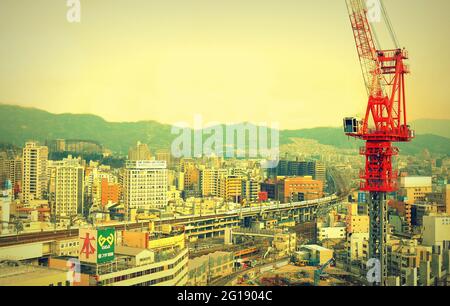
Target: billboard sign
x: 88, y: 245
x: 263, y: 196
x: 105, y: 245
x: 97, y: 246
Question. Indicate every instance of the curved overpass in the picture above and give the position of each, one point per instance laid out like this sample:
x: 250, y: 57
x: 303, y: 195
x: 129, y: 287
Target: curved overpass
x: 233, y: 216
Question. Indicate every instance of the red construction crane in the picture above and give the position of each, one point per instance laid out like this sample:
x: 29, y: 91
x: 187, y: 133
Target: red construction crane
x: 385, y: 120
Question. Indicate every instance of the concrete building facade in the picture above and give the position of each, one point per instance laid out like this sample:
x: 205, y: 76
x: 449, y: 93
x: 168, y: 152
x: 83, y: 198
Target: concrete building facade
x: 145, y: 185
x: 34, y: 172
x: 66, y: 187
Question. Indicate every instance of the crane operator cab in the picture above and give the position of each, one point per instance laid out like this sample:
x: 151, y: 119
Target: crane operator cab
x: 351, y: 125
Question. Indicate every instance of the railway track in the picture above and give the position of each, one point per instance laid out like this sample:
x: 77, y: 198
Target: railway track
x: 69, y: 233
x: 53, y: 235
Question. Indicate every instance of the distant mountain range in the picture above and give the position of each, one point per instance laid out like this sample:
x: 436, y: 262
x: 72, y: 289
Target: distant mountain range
x: 432, y: 126
x: 19, y: 124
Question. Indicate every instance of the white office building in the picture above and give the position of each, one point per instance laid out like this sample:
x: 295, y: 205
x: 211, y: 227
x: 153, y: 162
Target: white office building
x: 145, y: 185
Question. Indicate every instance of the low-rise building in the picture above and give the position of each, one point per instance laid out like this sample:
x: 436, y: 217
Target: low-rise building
x: 356, y: 223
x: 284, y: 243
x: 407, y: 260
x: 208, y: 267
x: 317, y: 254
x: 436, y: 230
x: 357, y: 246
x: 140, y: 259
x: 28, y: 275
x: 331, y: 233
x: 66, y: 247
x: 403, y: 211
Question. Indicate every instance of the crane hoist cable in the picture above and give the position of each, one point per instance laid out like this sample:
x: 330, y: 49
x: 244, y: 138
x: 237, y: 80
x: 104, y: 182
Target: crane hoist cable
x: 389, y: 26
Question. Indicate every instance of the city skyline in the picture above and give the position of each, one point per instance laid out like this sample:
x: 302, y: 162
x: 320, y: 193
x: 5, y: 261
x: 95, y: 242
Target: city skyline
x: 168, y: 64
x: 225, y: 144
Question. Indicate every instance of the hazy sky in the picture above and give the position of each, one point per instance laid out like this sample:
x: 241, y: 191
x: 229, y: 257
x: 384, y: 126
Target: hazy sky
x: 287, y: 61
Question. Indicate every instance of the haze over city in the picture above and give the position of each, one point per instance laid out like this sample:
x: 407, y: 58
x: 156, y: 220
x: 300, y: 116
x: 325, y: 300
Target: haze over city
x: 168, y: 60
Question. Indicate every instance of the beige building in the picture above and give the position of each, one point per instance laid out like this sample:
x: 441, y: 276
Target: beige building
x: 66, y: 247
x: 407, y: 260
x: 164, y: 155
x: 317, y: 253
x: 441, y: 199
x: 357, y: 246
x: 208, y: 267
x: 163, y: 262
x: 25, y: 275
x: 447, y: 199
x: 10, y: 169
x: 436, y: 230
x: 231, y: 188
x: 145, y: 185
x: 191, y: 177
x: 320, y: 172
x: 140, y: 259
x: 284, y: 243
x: 66, y: 187
x: 415, y: 189
x: 210, y: 181
x: 356, y: 223
x: 139, y: 152
x: 335, y: 232
x: 138, y: 256
x: 34, y: 172
x: 250, y: 190
x: 4, y: 173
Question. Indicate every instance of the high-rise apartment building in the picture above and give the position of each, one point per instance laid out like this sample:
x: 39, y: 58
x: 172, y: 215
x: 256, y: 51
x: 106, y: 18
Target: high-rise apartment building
x: 315, y: 169
x: 250, y: 190
x: 320, y: 172
x: 145, y: 185
x: 166, y: 156
x: 447, y: 199
x: 34, y: 172
x: 191, y: 184
x: 101, y: 185
x: 185, y: 163
x: 10, y: 170
x: 139, y: 152
x: 231, y: 188
x: 5, y: 205
x: 66, y: 181
x: 210, y: 181
x: 3, y: 168
x: 110, y: 191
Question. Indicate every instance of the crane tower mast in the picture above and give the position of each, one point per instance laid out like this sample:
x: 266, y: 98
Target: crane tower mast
x: 385, y: 122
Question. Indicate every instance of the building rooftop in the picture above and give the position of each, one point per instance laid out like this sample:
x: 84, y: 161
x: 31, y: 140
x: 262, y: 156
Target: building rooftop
x: 12, y: 275
x: 315, y: 247
x: 129, y: 251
